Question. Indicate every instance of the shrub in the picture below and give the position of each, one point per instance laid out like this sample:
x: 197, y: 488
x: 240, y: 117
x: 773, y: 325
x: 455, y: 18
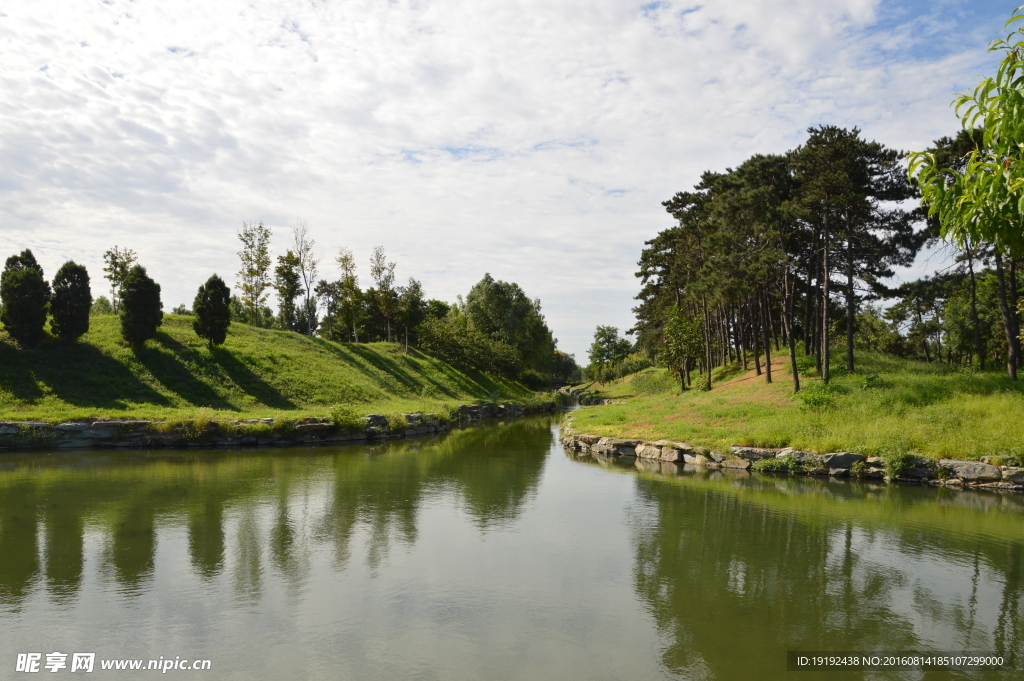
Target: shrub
x: 785, y: 465
x: 212, y: 308
x: 72, y: 302
x: 896, y: 463
x: 24, y: 295
x: 345, y: 416
x: 141, y: 309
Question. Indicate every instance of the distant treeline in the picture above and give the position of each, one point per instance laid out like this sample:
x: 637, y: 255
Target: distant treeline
x: 496, y: 328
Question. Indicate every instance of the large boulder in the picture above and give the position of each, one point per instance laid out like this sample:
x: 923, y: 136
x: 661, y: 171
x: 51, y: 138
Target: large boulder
x: 648, y: 450
x: 919, y: 468
x: 971, y: 471
x: 751, y: 453
x: 736, y: 462
x: 696, y: 459
x: 676, y: 451
x: 841, y: 459
x: 1013, y: 474
x: 616, y: 446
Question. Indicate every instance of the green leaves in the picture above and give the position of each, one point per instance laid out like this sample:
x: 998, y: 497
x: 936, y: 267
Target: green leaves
x: 985, y: 199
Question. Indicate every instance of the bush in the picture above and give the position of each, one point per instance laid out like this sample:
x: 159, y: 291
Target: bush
x: 820, y: 396
x: 24, y: 295
x: 72, y: 302
x: 789, y: 463
x: 141, y: 309
x: 346, y: 417
x: 654, y: 383
x: 212, y: 308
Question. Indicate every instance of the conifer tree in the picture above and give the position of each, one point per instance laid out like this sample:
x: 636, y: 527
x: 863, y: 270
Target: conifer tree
x: 212, y: 308
x: 25, y: 296
x: 72, y: 301
x: 141, y: 309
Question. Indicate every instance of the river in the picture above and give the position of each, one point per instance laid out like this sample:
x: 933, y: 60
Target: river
x: 492, y: 554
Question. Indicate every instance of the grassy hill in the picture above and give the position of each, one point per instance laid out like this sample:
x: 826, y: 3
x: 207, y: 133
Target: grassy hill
x: 888, y: 405
x: 256, y: 373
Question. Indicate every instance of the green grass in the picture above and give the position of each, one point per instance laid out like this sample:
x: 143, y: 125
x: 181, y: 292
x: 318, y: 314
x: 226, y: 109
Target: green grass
x: 256, y: 373
x: 887, y: 407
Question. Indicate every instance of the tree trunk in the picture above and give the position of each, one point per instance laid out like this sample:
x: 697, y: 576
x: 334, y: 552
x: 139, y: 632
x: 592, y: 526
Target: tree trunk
x: 824, y: 306
x: 851, y: 305
x: 754, y: 333
x: 978, y: 347
x: 788, y: 302
x: 1011, y: 289
x: 1011, y: 353
x: 767, y: 340
x: 707, y: 342
x: 736, y: 335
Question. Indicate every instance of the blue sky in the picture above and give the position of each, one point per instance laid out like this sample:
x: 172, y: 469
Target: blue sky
x: 531, y: 139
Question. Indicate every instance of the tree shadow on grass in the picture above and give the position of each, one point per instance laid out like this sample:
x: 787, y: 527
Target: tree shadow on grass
x: 166, y: 365
x: 249, y: 382
x: 362, y: 358
x: 77, y: 373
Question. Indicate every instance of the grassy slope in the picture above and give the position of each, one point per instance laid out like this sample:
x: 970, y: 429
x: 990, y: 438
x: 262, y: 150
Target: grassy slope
x: 911, y: 406
x: 256, y: 373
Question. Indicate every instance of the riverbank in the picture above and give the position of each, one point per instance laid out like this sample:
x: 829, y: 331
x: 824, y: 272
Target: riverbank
x: 888, y: 408
x: 949, y: 472
x: 265, y: 432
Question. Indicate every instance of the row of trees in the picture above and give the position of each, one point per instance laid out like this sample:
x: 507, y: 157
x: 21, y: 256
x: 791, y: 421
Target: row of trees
x: 496, y: 328
x: 308, y: 304
x: 792, y: 246
x: 760, y: 253
x: 28, y: 299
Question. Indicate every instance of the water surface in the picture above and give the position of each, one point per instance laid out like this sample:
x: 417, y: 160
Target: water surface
x: 489, y: 554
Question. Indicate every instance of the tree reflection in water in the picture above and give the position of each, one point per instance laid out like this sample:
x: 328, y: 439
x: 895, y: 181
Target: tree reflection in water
x: 268, y: 506
x: 735, y: 569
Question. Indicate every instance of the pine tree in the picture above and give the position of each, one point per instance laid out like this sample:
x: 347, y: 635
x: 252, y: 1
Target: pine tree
x: 72, y: 301
x: 141, y: 309
x: 25, y: 295
x: 212, y: 308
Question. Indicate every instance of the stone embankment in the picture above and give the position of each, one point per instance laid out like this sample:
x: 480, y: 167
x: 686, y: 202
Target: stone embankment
x: 584, y: 397
x: 139, y: 434
x: 978, y: 474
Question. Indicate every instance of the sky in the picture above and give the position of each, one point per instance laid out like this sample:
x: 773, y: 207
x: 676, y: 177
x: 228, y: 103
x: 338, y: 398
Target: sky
x: 530, y: 139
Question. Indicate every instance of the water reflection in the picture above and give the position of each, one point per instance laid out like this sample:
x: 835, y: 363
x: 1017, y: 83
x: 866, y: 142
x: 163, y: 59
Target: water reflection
x: 272, y: 509
x: 737, y: 569
x: 490, y: 554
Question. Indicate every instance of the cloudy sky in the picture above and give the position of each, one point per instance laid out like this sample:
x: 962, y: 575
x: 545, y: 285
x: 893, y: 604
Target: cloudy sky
x: 532, y: 139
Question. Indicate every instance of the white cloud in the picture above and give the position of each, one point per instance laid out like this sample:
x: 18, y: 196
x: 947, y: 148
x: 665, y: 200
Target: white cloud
x: 534, y: 140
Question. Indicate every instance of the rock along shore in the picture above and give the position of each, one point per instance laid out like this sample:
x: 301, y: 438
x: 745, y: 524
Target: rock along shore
x: 140, y: 434
x: 975, y: 474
